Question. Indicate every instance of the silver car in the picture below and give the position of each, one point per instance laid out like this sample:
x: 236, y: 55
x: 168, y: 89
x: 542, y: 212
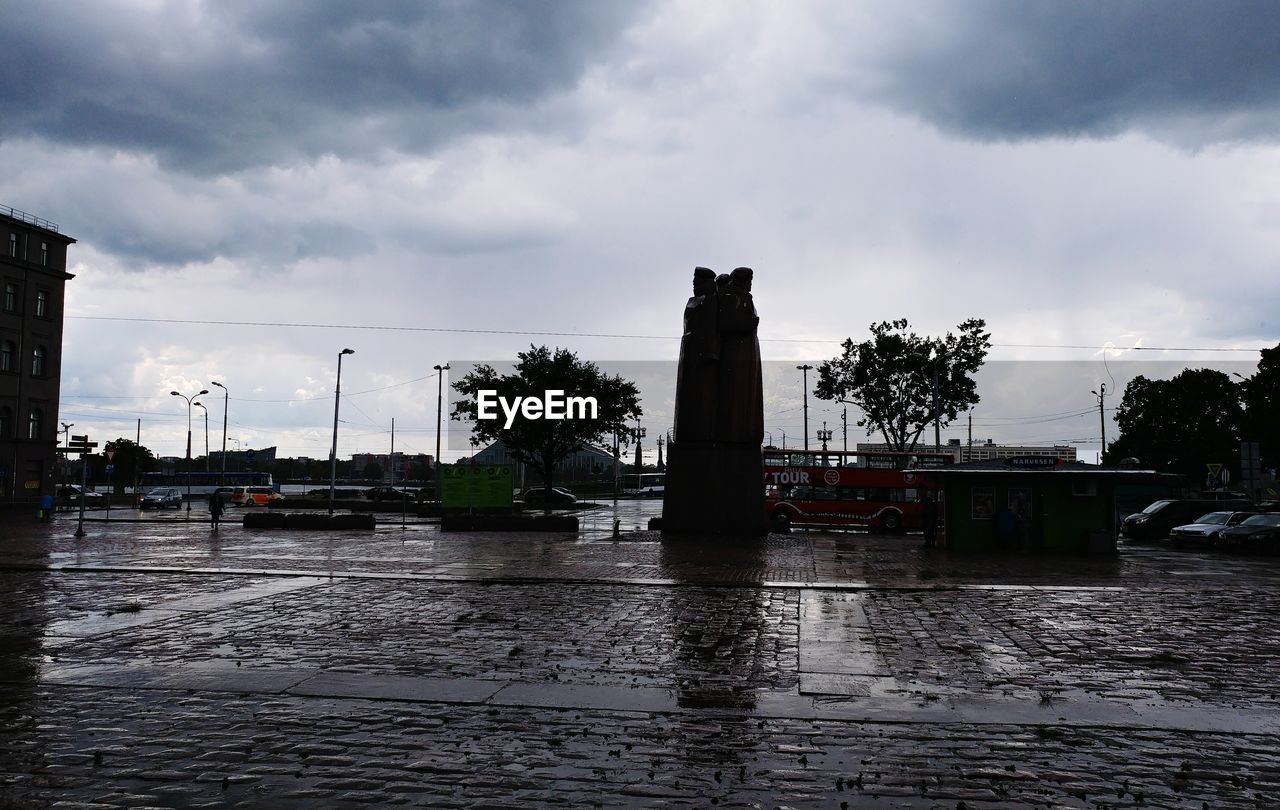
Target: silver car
x: 160, y: 497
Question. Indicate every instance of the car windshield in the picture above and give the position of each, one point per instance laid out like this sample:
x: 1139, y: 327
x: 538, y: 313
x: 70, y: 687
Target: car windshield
x: 158, y: 491
x: 1156, y: 507
x: 1262, y: 520
x: 1214, y: 517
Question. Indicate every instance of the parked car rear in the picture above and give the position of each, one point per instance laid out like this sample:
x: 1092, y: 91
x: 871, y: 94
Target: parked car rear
x: 1157, y: 520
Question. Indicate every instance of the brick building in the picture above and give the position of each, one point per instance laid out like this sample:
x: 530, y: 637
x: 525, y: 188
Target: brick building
x: 33, y: 272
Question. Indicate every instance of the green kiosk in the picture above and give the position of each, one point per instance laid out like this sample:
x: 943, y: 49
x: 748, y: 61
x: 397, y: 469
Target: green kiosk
x: 1037, y: 504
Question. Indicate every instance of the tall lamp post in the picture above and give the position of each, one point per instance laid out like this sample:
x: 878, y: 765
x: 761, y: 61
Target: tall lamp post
x: 824, y: 436
x: 226, y: 398
x: 937, y: 414
x: 201, y: 406
x: 333, y: 454
x: 188, y: 400
x: 804, y: 371
x: 440, y: 370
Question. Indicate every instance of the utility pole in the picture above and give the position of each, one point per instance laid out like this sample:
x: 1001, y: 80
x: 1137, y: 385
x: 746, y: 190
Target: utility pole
x: 844, y: 427
x: 804, y: 373
x: 1101, y: 394
x: 391, y: 458
x: 937, y: 418
x: 970, y: 458
x: 662, y: 467
x: 440, y: 370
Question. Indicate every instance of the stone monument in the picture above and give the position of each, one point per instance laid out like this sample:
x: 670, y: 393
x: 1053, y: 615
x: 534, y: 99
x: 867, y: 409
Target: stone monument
x: 715, y: 471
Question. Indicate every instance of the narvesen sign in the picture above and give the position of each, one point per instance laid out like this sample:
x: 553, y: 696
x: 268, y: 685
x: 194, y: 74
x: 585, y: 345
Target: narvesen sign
x: 552, y: 405
x: 1032, y: 462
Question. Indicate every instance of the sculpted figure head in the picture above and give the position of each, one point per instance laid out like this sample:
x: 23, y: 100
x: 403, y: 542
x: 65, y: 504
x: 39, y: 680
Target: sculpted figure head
x: 722, y: 282
x: 704, y: 281
x: 741, y: 277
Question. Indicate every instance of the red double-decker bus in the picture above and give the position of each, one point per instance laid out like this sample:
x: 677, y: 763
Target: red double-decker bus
x: 881, y: 491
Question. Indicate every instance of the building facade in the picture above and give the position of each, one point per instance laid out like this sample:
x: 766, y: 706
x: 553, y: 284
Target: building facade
x: 33, y: 272
x: 985, y: 451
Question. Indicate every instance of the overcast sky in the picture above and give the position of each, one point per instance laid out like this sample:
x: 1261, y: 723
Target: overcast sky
x: 1095, y: 174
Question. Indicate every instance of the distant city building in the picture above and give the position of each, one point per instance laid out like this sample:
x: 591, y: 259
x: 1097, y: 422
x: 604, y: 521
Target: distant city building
x: 395, y: 466
x: 33, y: 272
x: 241, y: 460
x: 985, y: 451
x: 587, y: 463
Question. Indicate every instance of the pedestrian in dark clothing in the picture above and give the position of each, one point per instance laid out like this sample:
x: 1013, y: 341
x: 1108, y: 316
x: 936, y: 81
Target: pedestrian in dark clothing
x: 215, y: 508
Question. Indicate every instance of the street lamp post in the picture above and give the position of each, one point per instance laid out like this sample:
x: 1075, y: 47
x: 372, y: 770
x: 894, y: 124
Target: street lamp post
x: 188, y: 400
x: 201, y: 406
x: 824, y: 436
x: 804, y: 372
x: 333, y: 454
x: 440, y: 370
x: 640, y: 434
x: 226, y: 398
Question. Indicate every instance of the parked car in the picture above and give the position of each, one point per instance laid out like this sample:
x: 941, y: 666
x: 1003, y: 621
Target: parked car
x: 160, y: 497
x: 1157, y: 520
x: 559, y: 497
x: 1206, y: 529
x: 390, y: 494
x: 1258, y: 533
x: 70, y: 494
x: 254, y: 496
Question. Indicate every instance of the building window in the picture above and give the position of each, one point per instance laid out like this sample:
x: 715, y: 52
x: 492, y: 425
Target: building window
x: 42, y: 303
x: 37, y: 361
x: 7, y: 350
x: 36, y: 426
x: 10, y: 297
x: 13, y: 245
x: 6, y: 422
x: 44, y: 254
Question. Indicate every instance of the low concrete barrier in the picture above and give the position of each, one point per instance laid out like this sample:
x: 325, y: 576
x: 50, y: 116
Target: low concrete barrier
x: 508, y: 523
x: 306, y: 520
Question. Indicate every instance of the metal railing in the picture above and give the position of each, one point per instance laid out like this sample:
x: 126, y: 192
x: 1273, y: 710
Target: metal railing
x: 31, y: 219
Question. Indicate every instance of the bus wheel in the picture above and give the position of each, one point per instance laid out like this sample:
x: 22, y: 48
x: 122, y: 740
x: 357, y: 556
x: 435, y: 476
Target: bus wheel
x: 891, y: 522
x: 781, y: 521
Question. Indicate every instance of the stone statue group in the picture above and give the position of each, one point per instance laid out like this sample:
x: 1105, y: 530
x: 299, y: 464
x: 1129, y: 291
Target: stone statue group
x: 719, y: 394
x: 715, y: 477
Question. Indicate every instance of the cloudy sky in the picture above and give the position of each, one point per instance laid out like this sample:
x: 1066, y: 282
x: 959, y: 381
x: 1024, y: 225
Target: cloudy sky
x: 255, y: 185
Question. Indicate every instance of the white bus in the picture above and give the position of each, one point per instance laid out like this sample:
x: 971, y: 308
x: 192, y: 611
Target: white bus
x: 644, y: 485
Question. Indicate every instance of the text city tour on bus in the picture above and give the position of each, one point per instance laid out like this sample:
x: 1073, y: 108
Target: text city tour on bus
x: 882, y: 491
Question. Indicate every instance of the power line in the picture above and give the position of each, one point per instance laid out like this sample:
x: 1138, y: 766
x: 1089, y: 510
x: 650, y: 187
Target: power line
x: 528, y: 332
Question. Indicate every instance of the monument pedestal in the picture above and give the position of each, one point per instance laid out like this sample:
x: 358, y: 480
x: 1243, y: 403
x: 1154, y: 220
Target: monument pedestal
x: 714, y: 488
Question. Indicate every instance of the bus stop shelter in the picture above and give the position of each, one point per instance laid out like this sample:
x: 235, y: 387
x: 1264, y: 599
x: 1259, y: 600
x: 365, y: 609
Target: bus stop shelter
x: 1037, y: 504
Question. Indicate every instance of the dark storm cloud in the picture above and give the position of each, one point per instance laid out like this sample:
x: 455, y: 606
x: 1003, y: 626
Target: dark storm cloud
x: 1182, y: 70
x: 223, y: 86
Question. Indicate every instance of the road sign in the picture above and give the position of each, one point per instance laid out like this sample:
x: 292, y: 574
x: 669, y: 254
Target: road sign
x: 109, y: 454
x: 110, y: 468
x: 1214, y: 469
x: 79, y: 439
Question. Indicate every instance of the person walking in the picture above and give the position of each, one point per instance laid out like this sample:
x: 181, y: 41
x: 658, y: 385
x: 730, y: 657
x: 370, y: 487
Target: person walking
x: 929, y: 518
x: 215, y: 509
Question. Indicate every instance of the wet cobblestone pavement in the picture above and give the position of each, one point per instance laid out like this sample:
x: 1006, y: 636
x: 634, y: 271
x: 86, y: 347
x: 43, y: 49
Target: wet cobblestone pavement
x: 153, y: 663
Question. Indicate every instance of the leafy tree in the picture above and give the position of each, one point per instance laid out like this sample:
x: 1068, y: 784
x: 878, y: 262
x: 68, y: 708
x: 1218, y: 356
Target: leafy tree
x: 543, y: 443
x: 1179, y: 425
x: 890, y: 377
x: 1261, y: 395
x: 373, y: 471
x: 421, y: 472
x: 128, y: 457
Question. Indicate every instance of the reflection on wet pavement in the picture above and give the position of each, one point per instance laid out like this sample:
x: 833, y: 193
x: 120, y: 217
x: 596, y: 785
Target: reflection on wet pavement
x: 156, y: 662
